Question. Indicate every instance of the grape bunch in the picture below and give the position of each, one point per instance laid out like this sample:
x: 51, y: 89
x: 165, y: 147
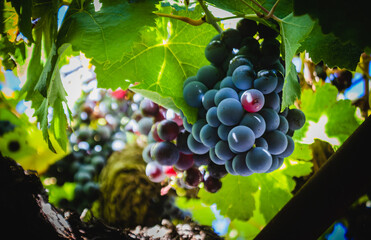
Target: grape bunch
x: 99, y: 121
x: 240, y: 126
x: 166, y: 153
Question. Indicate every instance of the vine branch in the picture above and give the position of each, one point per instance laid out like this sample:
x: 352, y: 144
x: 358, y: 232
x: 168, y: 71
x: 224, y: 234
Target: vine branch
x: 268, y: 14
x: 188, y: 20
x: 210, y: 17
x: 259, y: 14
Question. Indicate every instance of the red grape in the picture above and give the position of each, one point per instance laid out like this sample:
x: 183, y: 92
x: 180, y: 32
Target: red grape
x: 252, y: 100
x: 154, y: 172
x: 185, y: 161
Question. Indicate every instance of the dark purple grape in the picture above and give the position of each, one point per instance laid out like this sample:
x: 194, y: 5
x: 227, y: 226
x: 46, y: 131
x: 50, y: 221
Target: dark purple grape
x: 277, y: 142
x: 195, y: 146
x: 167, y: 130
x: 216, y: 52
x: 295, y: 118
x: 145, y: 125
x: 181, y: 143
x: 266, y: 32
x: 239, y: 165
x: 258, y: 160
x: 148, y: 108
x: 241, y: 139
x: 200, y: 160
x: 184, y: 162
x: 231, y: 37
x: 212, y: 184
x: 165, y: 153
x: 247, y: 27
x: 193, y: 177
x: 216, y: 171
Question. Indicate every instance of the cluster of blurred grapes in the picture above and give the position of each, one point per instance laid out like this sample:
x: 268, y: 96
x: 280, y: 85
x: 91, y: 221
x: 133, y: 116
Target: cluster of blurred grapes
x: 100, y: 119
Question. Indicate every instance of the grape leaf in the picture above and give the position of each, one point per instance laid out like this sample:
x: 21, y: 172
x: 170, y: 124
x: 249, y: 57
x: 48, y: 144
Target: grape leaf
x: 274, y: 193
x: 330, y: 49
x: 293, y: 31
x: 105, y: 34
x: 314, y: 104
x: 200, y: 212
x: 302, y: 152
x: 41, y: 114
x: 341, y: 118
x: 235, y: 199
x: 51, y: 89
x: 161, y: 60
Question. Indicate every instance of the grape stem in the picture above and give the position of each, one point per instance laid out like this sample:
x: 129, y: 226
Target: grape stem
x: 210, y: 17
x: 268, y: 14
x: 259, y: 14
x: 184, y: 19
x: 236, y: 16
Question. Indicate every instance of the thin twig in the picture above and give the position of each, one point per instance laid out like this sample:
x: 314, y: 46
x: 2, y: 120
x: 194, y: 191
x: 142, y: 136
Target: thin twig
x: 210, y: 17
x: 260, y: 6
x: 270, y: 14
x: 188, y: 20
x: 259, y: 14
x: 236, y: 16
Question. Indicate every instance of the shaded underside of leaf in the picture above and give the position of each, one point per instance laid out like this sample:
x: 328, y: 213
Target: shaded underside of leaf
x: 331, y: 50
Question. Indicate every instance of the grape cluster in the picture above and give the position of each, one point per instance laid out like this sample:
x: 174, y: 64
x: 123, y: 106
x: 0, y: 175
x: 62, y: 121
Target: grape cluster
x: 240, y: 127
x: 99, y: 118
x: 167, y: 153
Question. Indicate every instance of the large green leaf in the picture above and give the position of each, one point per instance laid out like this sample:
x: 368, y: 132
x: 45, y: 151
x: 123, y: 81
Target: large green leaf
x: 200, y: 212
x: 105, y: 34
x: 53, y: 95
x: 331, y: 50
x: 236, y: 197
x: 161, y: 60
x: 340, y: 120
x: 293, y: 31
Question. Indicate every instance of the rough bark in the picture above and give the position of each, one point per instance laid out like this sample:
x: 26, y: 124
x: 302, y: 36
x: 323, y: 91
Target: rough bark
x: 26, y: 214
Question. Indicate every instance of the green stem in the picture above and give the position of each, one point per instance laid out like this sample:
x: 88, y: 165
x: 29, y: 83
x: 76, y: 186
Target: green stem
x: 262, y: 15
x: 271, y: 15
x: 210, y: 17
x: 259, y: 14
x: 236, y: 16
